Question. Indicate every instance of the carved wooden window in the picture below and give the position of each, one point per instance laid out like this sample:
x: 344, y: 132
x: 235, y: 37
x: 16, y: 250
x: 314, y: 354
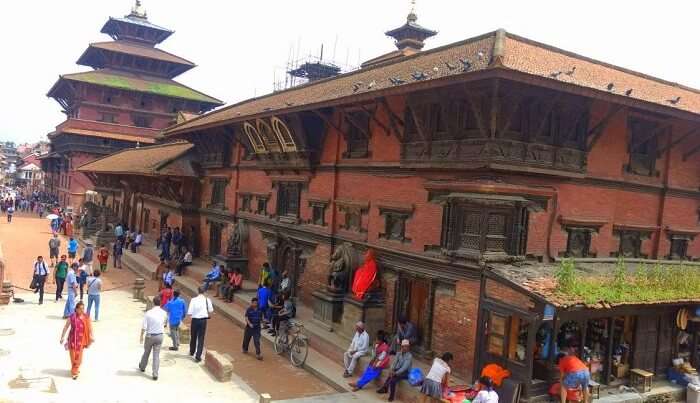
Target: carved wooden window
x: 642, y: 146
x: 108, y: 117
x: 630, y: 243
x: 142, y: 121
x: 145, y: 102
x: 254, y: 137
x: 109, y: 97
x: 484, y: 226
x: 394, y: 225
x: 353, y: 220
x: 288, y: 199
x: 218, y: 192
x: 284, y: 134
x: 437, y: 122
x: 246, y: 202
x: 262, y: 205
x: 268, y: 136
x: 496, y: 334
x: 215, y: 230
x: 318, y: 212
x: 357, y: 141
x: 468, y: 117
x: 679, y: 248
x: 578, y: 243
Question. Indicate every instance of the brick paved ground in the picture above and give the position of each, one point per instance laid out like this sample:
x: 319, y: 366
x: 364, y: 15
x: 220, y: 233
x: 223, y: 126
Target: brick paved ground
x: 27, y: 237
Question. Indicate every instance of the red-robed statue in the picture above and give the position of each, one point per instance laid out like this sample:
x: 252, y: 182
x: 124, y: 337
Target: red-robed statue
x: 365, y: 275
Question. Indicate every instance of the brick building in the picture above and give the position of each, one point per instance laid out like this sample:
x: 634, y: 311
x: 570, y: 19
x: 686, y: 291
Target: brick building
x: 125, y: 101
x: 470, y: 170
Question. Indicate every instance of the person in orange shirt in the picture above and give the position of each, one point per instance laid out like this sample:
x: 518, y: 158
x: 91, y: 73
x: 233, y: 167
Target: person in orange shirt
x: 574, y: 374
x: 103, y: 258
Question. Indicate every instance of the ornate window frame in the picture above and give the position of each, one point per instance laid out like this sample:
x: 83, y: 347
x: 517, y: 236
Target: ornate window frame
x: 319, y: 206
x: 395, y: 215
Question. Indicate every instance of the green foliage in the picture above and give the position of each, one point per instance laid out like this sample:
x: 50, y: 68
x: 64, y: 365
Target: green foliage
x: 657, y: 283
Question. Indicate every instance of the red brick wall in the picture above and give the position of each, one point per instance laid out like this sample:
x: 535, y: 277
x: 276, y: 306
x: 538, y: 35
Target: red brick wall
x: 501, y: 292
x: 455, y: 324
x: 315, y: 273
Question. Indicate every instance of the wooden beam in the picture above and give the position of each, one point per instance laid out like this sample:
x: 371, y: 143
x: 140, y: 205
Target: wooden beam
x: 654, y: 133
x: 677, y: 141
x: 392, y: 119
x: 691, y: 152
x: 550, y: 107
x: 417, y: 122
x: 477, y: 113
x: 517, y: 101
x: 494, y: 108
x: 595, y: 133
x: 329, y: 122
x: 375, y: 120
x: 357, y: 124
x: 397, y: 118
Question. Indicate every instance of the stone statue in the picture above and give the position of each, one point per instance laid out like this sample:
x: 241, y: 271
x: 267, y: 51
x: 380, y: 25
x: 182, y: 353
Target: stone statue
x: 236, y: 241
x: 343, y: 261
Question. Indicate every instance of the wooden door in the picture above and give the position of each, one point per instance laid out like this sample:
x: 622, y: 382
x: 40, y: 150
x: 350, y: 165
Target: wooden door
x: 413, y: 302
x: 146, y: 221
x: 289, y: 263
x: 664, y: 354
x: 645, y: 342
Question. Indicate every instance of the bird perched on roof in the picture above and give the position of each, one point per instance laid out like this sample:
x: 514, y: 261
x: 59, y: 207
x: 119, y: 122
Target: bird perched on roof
x: 610, y: 86
x: 555, y: 74
x: 466, y: 64
x: 450, y: 66
x: 371, y: 85
x: 356, y: 87
x: 436, y: 69
x: 267, y: 108
x: 396, y: 81
x: 675, y: 100
x: 480, y: 54
x: 419, y: 75
x: 289, y: 103
x: 628, y: 92
x: 571, y: 72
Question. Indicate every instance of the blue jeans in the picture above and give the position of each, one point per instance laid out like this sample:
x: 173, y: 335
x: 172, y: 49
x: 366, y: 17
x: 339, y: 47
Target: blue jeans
x: 573, y: 380
x: 371, y: 373
x: 70, y: 304
x: 96, y: 300
x: 207, y: 282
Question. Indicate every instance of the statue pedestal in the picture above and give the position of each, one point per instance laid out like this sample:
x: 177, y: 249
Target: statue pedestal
x: 87, y: 232
x: 104, y: 238
x: 234, y: 262
x: 371, y: 312
x: 328, y: 308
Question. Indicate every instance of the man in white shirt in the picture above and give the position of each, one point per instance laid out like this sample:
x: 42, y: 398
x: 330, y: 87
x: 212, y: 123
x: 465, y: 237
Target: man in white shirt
x: 153, y: 324
x: 41, y: 273
x: 358, y: 348
x: 199, y: 310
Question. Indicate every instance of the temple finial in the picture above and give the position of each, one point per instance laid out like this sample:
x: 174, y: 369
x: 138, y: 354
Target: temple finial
x: 138, y: 10
x: 412, y: 14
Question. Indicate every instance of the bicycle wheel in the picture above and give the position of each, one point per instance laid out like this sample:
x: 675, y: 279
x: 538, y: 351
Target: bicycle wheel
x: 279, y: 345
x: 299, y: 351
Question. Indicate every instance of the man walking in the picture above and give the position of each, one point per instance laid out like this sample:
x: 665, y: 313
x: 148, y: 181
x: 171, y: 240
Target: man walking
x: 60, y: 276
x: 54, y: 244
x: 88, y: 254
x: 72, y: 249
x: 199, y: 310
x: 153, y: 325
x: 176, y: 309
x: 10, y: 211
x: 72, y: 284
x: 358, y: 348
x: 94, y: 288
x: 40, y: 274
x: 253, y: 317
x: 117, y: 251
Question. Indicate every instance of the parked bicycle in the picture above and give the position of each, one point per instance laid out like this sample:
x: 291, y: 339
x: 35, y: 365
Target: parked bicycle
x: 294, y: 341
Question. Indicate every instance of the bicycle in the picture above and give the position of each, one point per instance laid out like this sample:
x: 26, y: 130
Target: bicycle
x: 295, y: 341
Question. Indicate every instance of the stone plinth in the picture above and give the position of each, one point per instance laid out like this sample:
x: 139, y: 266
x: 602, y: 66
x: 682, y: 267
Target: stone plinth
x: 370, y: 312
x: 328, y: 308
x: 219, y: 365
x: 234, y: 262
x: 5, y: 293
x: 104, y: 238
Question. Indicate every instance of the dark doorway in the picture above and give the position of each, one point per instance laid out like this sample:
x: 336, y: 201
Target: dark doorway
x: 645, y: 342
x: 289, y: 262
x: 413, y: 302
x: 215, y: 238
x: 146, y: 220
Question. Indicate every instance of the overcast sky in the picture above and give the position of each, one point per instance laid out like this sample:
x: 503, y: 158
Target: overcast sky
x: 240, y: 47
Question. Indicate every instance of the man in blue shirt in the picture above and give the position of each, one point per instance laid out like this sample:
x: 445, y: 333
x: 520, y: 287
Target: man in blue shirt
x: 213, y: 276
x: 72, y: 249
x: 176, y: 309
x: 253, y: 316
x: 72, y: 286
x: 264, y: 294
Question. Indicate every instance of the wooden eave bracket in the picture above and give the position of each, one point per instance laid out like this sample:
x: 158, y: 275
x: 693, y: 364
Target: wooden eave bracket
x: 356, y: 124
x: 677, y: 141
x: 597, y: 130
x: 328, y: 122
x: 393, y: 119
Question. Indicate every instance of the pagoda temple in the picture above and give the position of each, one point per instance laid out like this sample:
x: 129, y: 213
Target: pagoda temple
x: 123, y: 102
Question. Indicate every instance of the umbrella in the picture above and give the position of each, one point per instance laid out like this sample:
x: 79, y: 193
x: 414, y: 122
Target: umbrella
x: 52, y: 217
